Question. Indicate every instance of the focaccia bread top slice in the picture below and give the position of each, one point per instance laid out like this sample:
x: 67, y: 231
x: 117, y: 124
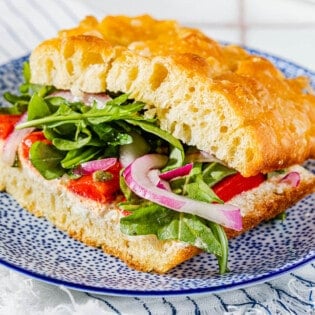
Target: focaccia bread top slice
x: 229, y: 103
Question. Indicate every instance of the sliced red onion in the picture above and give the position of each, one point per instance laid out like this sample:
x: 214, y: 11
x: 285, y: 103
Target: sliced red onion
x: 101, y: 99
x: 202, y: 156
x: 90, y: 167
x: 66, y: 94
x: 86, y: 98
x: 177, y: 172
x: 293, y: 179
x: 13, y: 141
x: 154, y: 176
x: 137, y: 179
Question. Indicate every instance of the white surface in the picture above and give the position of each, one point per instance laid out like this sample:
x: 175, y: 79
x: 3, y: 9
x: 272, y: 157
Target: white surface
x: 279, y: 12
x: 201, y: 11
x: 296, y: 44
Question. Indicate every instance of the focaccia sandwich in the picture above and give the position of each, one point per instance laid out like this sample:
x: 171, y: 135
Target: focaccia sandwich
x: 154, y: 142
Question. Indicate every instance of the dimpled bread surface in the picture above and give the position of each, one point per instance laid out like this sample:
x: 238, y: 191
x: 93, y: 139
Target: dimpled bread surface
x: 229, y: 103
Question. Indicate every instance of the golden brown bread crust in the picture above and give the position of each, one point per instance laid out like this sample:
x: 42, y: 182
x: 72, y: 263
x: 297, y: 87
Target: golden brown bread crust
x: 219, y: 98
x: 269, y: 200
x: 60, y: 62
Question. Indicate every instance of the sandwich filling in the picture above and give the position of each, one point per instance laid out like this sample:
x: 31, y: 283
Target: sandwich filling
x: 104, y: 147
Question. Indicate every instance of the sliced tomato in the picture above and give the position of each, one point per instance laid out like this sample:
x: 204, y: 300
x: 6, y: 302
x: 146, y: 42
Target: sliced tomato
x: 30, y: 139
x: 236, y: 184
x: 7, y: 123
x: 100, y: 191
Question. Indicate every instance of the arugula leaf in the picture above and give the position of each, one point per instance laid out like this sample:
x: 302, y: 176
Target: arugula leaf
x: 20, y: 102
x: 112, y: 135
x: 196, y: 184
x: 46, y: 159
x: 281, y: 216
x: 199, y: 190
x: 146, y: 220
x: 26, y: 71
x: 151, y: 128
x: 220, y: 235
x: 113, y: 111
x: 81, y: 138
x: 276, y: 173
x: 167, y: 224
x: 78, y: 156
x: 119, y: 99
x: 175, y: 159
x: 37, y: 107
x: 215, y: 172
x: 72, y: 126
x: 68, y: 113
x: 128, y: 193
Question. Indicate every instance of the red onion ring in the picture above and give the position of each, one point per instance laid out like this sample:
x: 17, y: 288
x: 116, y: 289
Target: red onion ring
x: 13, y: 141
x: 293, y: 179
x: 177, y: 172
x: 137, y: 179
x: 95, y: 165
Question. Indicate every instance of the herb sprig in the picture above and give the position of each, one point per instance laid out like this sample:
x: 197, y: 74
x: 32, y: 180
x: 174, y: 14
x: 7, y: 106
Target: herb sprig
x: 81, y: 132
x: 19, y: 103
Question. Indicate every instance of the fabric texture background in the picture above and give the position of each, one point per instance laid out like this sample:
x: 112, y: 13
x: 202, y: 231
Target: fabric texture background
x: 292, y: 293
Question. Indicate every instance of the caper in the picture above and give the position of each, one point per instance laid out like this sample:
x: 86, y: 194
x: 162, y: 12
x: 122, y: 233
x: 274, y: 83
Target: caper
x: 102, y: 176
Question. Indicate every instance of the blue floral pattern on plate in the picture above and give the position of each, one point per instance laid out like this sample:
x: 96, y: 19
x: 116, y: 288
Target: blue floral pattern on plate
x: 34, y: 247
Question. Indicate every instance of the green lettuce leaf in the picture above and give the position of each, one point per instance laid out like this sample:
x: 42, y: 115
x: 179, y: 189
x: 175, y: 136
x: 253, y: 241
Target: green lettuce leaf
x: 74, y: 127
x: 171, y: 225
x: 46, y: 159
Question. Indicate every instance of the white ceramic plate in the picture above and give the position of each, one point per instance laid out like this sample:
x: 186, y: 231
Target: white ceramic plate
x: 34, y: 247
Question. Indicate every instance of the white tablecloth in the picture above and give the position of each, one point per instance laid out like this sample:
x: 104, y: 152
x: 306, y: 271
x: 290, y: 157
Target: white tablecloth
x: 23, y: 24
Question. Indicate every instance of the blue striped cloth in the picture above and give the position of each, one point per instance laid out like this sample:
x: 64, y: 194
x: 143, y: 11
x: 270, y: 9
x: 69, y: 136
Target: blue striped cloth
x: 292, y: 293
x: 25, y: 23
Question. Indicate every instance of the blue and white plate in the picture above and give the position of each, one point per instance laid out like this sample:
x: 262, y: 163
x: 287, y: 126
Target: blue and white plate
x: 34, y: 247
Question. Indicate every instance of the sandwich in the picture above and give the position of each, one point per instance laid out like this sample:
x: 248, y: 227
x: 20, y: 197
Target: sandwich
x: 154, y: 142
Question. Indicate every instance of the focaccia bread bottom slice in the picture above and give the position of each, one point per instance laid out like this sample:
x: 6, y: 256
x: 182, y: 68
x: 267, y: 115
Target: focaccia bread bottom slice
x: 97, y: 224
x: 92, y: 223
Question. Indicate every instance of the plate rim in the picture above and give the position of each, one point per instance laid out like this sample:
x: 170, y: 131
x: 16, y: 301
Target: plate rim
x: 258, y: 279
x: 158, y: 293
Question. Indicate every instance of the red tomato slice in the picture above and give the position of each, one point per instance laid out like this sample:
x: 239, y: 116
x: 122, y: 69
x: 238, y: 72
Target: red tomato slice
x: 7, y: 123
x: 236, y: 184
x: 30, y: 139
x: 99, y: 191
